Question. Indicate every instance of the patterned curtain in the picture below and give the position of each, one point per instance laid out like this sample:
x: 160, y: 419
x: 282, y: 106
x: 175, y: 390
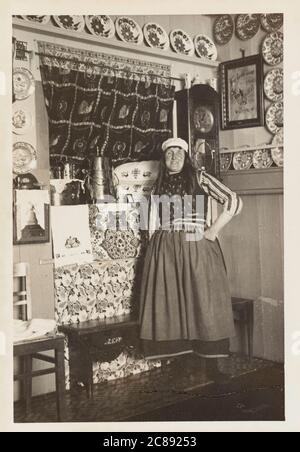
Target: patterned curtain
x: 127, y: 117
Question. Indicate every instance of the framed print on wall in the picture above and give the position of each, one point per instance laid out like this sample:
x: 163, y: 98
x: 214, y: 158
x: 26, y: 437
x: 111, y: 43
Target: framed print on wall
x: 31, y: 217
x: 242, y: 99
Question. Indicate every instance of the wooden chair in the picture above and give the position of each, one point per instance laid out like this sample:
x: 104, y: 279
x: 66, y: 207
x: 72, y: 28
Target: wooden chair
x: 27, y: 350
x: 22, y: 296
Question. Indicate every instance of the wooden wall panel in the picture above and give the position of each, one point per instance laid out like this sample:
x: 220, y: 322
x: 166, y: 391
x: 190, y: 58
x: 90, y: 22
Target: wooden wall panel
x: 270, y: 238
x: 253, y: 248
x: 241, y: 251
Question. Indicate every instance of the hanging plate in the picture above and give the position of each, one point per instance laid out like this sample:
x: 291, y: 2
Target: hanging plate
x: 74, y: 23
x: 273, y: 85
x: 21, y: 120
x: 101, y: 26
x: 274, y: 117
x: 23, y: 83
x: 37, y: 19
x: 262, y: 158
x: 129, y: 30
x: 242, y: 160
x: 156, y: 36
x: 223, y: 29
x: 247, y: 25
x: 271, y: 22
x: 24, y: 158
x: 225, y: 160
x: 205, y: 48
x: 277, y: 153
x: 272, y: 48
x: 181, y: 42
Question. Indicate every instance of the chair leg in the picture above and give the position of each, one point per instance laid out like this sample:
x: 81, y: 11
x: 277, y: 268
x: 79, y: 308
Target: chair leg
x: 250, y: 327
x: 89, y: 384
x: 60, y: 383
x: 27, y: 388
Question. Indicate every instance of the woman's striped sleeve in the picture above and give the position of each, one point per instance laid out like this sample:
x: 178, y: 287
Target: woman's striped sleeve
x: 213, y: 187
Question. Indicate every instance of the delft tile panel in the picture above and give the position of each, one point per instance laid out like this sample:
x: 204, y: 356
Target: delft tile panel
x: 95, y: 291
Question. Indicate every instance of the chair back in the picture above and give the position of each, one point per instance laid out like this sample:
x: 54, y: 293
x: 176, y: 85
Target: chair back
x: 22, y: 294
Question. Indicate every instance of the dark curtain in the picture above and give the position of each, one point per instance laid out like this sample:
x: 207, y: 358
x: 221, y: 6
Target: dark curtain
x: 125, y: 118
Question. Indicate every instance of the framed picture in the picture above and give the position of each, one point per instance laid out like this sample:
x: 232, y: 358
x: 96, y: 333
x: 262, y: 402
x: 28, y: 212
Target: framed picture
x: 71, y: 235
x: 242, y: 98
x: 31, y: 217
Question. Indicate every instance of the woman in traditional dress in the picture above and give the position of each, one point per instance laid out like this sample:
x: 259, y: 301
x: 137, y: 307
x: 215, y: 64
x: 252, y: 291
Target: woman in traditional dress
x: 185, y: 304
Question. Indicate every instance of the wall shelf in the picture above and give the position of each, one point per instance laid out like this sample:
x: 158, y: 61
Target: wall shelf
x: 112, y: 44
x: 255, y: 182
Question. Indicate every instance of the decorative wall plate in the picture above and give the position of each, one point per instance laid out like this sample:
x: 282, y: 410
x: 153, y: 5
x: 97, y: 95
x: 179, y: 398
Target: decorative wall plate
x: 181, y: 42
x: 24, y: 158
x: 129, y: 30
x: 277, y: 156
x: 102, y: 26
x: 277, y: 153
x: 271, y: 22
x: 205, y: 47
x: 21, y: 120
x: 38, y: 19
x: 23, y: 83
x: 278, y: 138
x: 247, y: 25
x: 273, y: 85
x: 242, y: 160
x: 262, y: 158
x: 223, y: 29
x: 74, y: 23
x: 274, y: 117
x: 272, y: 48
x: 225, y: 160
x: 156, y: 36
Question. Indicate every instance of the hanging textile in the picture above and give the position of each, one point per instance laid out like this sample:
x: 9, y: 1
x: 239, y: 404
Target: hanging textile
x: 98, y: 101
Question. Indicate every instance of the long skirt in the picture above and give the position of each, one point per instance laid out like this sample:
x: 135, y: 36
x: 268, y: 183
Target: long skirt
x: 185, y: 303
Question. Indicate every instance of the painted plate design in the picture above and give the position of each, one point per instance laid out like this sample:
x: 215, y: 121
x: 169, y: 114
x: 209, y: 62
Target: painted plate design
x: 129, y: 30
x: 225, y: 160
x: 23, y: 83
x: 37, y: 19
x: 24, y: 158
x: 156, y: 36
x: 21, y: 120
x: 262, y: 158
x: 181, y: 42
x: 102, y: 26
x: 273, y: 85
x: 272, y: 48
x: 278, y: 138
x: 74, y: 23
x: 274, y: 117
x: 271, y: 22
x: 247, y: 25
x: 223, y: 29
x: 205, y: 47
x: 277, y: 153
x: 242, y: 160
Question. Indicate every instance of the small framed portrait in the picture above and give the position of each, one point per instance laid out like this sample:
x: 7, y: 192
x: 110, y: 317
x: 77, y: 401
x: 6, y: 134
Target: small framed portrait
x: 242, y: 98
x: 31, y: 217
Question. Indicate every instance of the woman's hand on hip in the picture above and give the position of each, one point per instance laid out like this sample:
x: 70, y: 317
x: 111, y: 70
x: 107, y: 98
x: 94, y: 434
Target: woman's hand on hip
x: 210, y: 234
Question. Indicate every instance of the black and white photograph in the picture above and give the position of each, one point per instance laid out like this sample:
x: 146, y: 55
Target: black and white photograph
x: 148, y: 225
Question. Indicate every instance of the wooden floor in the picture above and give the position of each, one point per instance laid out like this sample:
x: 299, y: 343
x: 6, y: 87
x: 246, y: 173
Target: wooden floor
x: 178, y: 388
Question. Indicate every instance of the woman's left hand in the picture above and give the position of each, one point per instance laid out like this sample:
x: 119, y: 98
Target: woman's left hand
x: 210, y: 234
